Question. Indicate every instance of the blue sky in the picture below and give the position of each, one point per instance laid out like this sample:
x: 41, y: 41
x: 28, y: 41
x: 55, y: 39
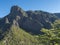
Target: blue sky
x: 52, y: 6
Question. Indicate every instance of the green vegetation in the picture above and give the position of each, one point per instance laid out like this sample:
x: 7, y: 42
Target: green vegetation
x: 16, y: 36
x: 51, y: 36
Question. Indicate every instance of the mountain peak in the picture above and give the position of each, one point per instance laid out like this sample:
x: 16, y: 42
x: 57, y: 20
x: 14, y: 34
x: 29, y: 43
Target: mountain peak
x: 15, y: 9
x: 30, y: 21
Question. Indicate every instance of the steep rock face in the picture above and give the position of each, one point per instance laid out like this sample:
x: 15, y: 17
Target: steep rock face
x: 44, y: 19
x: 31, y: 21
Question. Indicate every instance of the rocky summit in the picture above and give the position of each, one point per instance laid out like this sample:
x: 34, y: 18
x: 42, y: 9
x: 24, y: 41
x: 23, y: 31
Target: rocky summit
x: 30, y: 21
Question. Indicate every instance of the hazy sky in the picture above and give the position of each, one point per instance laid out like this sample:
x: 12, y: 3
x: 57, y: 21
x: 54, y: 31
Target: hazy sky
x: 45, y: 5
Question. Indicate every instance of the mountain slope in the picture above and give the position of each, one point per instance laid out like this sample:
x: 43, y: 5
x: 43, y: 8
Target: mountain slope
x: 16, y: 36
x: 30, y: 21
x: 16, y: 28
